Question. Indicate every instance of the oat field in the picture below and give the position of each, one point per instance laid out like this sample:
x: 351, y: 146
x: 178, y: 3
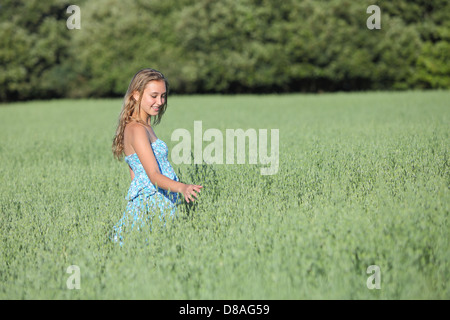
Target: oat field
x: 363, y: 180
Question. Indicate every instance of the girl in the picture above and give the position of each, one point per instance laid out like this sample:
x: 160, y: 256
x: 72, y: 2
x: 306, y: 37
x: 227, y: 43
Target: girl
x: 155, y: 186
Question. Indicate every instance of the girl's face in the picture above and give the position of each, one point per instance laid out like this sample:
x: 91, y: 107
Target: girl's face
x: 153, y: 98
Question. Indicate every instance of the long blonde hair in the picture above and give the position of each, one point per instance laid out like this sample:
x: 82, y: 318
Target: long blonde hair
x: 131, y: 107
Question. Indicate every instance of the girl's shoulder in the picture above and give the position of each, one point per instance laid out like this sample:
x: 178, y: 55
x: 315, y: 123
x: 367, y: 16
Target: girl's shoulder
x: 135, y: 128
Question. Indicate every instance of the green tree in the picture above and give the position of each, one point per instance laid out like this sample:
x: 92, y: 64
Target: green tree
x: 33, y: 42
x: 227, y: 46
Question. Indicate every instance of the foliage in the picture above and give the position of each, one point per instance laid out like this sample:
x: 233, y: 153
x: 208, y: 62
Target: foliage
x: 34, y: 45
x: 230, y: 46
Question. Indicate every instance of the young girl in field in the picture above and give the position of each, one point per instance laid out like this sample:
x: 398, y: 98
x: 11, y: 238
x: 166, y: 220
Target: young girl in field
x: 155, y: 186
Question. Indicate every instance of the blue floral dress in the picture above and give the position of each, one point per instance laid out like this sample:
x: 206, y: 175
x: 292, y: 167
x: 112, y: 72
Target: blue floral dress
x: 145, y: 201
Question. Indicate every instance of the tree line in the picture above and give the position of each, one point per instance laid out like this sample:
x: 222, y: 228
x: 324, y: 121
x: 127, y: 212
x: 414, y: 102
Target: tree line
x: 227, y: 46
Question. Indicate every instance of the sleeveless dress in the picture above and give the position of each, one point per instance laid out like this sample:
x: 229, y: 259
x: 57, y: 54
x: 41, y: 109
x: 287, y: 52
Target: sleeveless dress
x: 145, y: 201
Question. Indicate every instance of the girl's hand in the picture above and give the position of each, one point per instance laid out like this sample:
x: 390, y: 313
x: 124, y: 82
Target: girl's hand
x: 190, y: 190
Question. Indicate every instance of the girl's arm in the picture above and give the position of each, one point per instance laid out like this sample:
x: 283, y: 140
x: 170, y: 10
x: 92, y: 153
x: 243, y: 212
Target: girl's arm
x: 140, y: 143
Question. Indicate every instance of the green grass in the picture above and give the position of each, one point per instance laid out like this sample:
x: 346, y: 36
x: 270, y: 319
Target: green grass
x: 363, y: 180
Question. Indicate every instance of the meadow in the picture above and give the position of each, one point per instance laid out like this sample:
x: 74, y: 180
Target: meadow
x: 363, y: 180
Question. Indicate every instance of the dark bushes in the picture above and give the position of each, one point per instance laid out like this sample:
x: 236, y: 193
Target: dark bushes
x: 229, y: 46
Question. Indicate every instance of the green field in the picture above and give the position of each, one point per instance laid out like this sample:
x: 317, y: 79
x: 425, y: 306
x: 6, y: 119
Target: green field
x: 363, y: 180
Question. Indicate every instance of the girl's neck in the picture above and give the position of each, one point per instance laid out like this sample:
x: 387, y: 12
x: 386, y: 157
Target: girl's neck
x: 145, y: 120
